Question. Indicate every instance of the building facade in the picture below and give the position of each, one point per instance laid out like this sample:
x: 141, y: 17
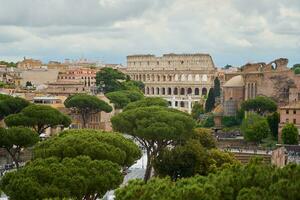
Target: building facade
x: 289, y: 114
x: 179, y: 78
x: 274, y: 80
x: 29, y: 64
x: 87, y: 76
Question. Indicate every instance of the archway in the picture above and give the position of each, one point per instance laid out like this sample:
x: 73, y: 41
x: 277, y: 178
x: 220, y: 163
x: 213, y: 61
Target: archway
x: 182, y: 91
x: 182, y: 104
x: 169, y: 91
x: 196, y: 91
x: 189, y: 91
x: 157, y: 91
x: 175, y: 91
x: 204, y: 91
x: 152, y: 90
x: 163, y: 91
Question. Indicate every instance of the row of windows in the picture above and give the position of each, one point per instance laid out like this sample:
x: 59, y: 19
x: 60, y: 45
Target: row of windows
x: 169, y: 62
x: 288, y: 112
x: 294, y: 121
x: 175, y: 91
x: 73, y: 77
x: 176, y: 77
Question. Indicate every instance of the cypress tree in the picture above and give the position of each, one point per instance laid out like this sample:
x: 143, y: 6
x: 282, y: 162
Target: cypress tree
x: 217, y: 87
x: 210, y: 102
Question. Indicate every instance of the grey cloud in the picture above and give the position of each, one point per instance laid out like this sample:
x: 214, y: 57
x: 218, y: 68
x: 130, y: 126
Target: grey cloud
x: 70, y: 12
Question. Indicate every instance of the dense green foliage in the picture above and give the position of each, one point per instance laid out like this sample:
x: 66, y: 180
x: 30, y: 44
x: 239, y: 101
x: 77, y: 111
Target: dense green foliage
x: 197, y: 110
x: 217, y: 87
x: 11, y: 105
x: 154, y: 128
x: 86, y: 105
x: 146, y: 102
x: 8, y: 64
x: 95, y: 144
x: 76, y: 178
x: 207, y: 122
x: 39, y: 117
x: 189, y: 160
x: 273, y: 121
x: 242, y: 182
x: 255, y: 128
x: 110, y: 80
x: 122, y: 98
x: 297, y: 70
x: 295, y: 66
x: 230, y: 121
x: 134, y: 85
x: 14, y: 139
x: 260, y: 105
x: 210, y: 101
x: 289, y: 134
x: 205, y: 137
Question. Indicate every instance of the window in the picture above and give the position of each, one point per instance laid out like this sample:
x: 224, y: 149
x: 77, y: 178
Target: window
x: 294, y: 121
x: 287, y: 120
x: 287, y: 111
x: 182, y: 62
x: 169, y: 62
x: 294, y: 112
x: 157, y: 62
x: 148, y: 63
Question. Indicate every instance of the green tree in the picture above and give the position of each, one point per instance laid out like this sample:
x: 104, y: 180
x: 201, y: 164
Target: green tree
x: 134, y: 85
x: 217, y: 87
x: 297, y: 70
x: 183, y: 161
x: 273, y: 121
x: 230, y: 121
x: 255, y: 128
x: 205, y: 137
x: 14, y: 139
x: 252, y: 181
x: 147, y: 102
x: 8, y: 64
x: 95, y: 144
x: 121, y: 98
x: 295, y: 66
x: 71, y: 178
x: 86, y: 105
x: 39, y: 117
x: 289, y: 134
x: 210, y: 102
x: 28, y: 84
x: 189, y: 160
x: 11, y: 105
x: 227, y: 66
x: 197, y: 110
x: 110, y: 80
x: 260, y: 105
x: 154, y: 128
x: 207, y: 122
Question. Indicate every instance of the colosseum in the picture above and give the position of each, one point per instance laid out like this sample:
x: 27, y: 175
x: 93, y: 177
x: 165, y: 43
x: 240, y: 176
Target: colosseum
x: 182, y: 79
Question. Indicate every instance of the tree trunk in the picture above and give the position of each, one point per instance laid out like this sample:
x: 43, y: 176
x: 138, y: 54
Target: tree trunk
x: 148, y: 167
x: 83, y: 115
x: 14, y: 157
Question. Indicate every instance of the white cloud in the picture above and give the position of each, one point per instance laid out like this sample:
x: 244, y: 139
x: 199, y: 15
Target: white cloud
x: 233, y: 31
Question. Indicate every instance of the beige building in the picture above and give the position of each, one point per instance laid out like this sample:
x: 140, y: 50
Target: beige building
x: 29, y: 64
x: 179, y: 78
x: 289, y: 114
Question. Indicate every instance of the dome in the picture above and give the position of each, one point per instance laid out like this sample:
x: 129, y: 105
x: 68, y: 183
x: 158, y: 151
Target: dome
x: 236, y: 81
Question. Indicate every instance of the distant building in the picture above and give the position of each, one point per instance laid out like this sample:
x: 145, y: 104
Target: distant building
x: 39, y: 76
x: 182, y: 79
x: 29, y: 64
x: 285, y: 155
x: 87, y: 76
x: 289, y: 114
x: 65, y: 88
x: 274, y: 80
x: 57, y: 65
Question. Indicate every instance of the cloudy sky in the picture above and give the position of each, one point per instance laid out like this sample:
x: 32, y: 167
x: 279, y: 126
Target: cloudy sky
x: 232, y: 31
